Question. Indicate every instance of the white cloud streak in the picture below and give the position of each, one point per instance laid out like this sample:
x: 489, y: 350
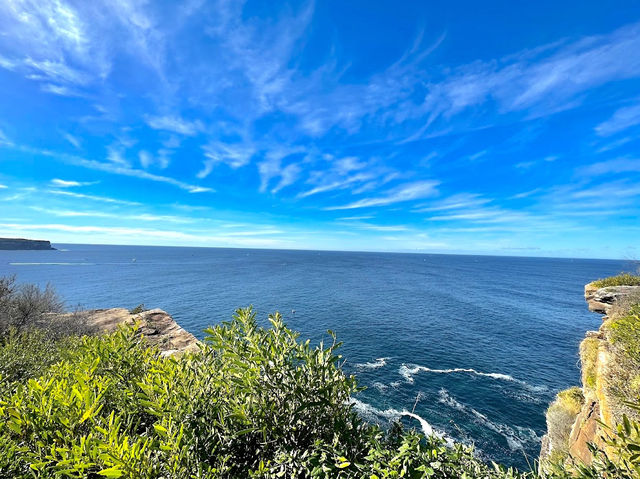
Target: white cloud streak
x: 621, y: 120
x: 102, y: 199
x: 58, y: 183
x: 175, y: 124
x: 399, y: 194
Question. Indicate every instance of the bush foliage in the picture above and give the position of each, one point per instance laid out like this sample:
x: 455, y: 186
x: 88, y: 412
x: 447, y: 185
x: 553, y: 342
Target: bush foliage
x: 622, y: 279
x: 252, y: 402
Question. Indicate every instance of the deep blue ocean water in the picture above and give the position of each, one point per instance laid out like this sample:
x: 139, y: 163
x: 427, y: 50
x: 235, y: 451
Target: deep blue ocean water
x: 478, y: 344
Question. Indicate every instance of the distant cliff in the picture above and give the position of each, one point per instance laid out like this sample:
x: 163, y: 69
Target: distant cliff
x: 24, y: 244
x: 610, y: 376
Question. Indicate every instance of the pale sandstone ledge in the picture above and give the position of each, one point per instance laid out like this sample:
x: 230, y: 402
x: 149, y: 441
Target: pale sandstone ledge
x: 155, y: 325
x: 603, y: 300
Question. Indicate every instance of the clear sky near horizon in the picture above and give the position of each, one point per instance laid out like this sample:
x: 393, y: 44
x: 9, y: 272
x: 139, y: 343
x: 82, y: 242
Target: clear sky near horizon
x: 464, y: 127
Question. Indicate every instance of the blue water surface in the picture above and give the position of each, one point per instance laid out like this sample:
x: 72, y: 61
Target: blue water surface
x: 475, y: 346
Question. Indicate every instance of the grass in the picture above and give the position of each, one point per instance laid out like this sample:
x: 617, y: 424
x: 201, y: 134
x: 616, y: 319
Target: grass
x: 624, y: 333
x: 623, y: 370
x: 589, y: 359
x: 622, y: 279
x: 560, y: 418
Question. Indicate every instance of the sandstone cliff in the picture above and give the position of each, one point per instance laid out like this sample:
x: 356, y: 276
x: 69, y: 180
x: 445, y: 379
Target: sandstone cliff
x: 574, y: 418
x: 155, y: 325
x: 24, y: 244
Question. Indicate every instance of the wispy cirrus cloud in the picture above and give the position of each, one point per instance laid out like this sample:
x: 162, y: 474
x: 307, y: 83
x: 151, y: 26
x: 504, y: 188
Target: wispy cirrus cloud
x: 454, y: 202
x: 619, y: 165
x: 75, y: 213
x: 127, y: 235
x: 160, y: 160
x: 540, y: 82
x: 72, y: 139
x: 621, y: 120
x: 233, y: 155
x: 102, y: 199
x: 175, y: 124
x: 58, y: 183
x: 117, y: 165
x: 399, y: 194
x: 271, y: 167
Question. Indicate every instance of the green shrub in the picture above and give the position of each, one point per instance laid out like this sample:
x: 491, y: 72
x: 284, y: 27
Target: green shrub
x: 622, y: 279
x: 253, y: 402
x: 138, y: 309
x: 624, y: 333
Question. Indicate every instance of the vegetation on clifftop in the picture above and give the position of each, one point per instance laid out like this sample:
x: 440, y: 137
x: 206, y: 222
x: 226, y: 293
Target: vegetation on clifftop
x: 252, y: 402
x: 622, y: 279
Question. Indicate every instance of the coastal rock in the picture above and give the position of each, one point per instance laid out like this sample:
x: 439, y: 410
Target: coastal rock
x: 602, y: 300
x: 155, y: 325
x: 24, y: 244
x: 596, y: 362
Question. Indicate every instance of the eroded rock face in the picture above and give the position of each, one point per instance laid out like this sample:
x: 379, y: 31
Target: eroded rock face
x: 598, y: 405
x: 602, y: 300
x: 156, y: 326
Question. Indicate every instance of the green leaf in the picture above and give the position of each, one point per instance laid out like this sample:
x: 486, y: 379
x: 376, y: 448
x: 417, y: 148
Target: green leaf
x: 160, y: 430
x: 111, y: 472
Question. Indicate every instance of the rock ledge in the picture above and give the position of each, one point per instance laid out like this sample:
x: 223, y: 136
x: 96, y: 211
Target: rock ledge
x: 156, y: 326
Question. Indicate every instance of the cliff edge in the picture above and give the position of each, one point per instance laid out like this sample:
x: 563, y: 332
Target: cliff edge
x: 610, y: 376
x: 155, y: 325
x: 24, y: 244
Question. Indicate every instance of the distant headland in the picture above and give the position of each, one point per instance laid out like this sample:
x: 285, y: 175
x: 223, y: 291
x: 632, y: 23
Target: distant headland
x: 26, y: 244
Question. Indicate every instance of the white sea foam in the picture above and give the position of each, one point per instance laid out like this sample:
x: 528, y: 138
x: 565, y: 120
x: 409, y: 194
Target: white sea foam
x: 378, y: 363
x: 51, y: 264
x: 381, y: 386
x: 372, y: 413
x: 409, y: 371
x: 515, y: 439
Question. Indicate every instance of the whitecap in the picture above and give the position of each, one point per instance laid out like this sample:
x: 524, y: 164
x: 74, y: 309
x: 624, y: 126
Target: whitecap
x: 372, y: 413
x: 408, y: 371
x: 378, y: 363
x: 380, y: 386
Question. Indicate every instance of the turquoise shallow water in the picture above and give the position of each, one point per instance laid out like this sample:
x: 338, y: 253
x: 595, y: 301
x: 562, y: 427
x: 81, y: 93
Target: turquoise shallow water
x: 479, y: 345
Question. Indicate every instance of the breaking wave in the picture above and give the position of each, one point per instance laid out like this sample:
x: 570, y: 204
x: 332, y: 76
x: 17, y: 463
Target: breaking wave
x: 378, y: 363
x: 369, y: 412
x: 408, y: 371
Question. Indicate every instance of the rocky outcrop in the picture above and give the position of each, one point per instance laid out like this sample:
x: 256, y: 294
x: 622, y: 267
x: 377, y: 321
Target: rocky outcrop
x: 155, y: 325
x: 598, y: 406
x: 24, y: 244
x: 604, y: 300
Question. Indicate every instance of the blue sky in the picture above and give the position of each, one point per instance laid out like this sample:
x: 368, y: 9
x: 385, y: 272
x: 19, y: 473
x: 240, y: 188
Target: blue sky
x: 464, y: 127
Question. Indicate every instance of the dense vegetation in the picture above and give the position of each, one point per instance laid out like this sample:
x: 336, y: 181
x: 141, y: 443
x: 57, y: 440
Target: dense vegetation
x: 252, y: 402
x: 623, y: 330
x: 622, y: 279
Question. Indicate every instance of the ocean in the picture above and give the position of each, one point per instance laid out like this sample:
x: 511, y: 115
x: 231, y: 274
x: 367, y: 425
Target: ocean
x: 471, y: 347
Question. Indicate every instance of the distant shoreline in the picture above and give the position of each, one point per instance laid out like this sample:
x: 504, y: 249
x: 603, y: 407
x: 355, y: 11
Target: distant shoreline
x: 365, y: 252
x: 24, y: 244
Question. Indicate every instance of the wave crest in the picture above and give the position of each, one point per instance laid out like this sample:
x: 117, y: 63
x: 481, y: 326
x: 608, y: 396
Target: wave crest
x: 408, y: 371
x: 378, y: 363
